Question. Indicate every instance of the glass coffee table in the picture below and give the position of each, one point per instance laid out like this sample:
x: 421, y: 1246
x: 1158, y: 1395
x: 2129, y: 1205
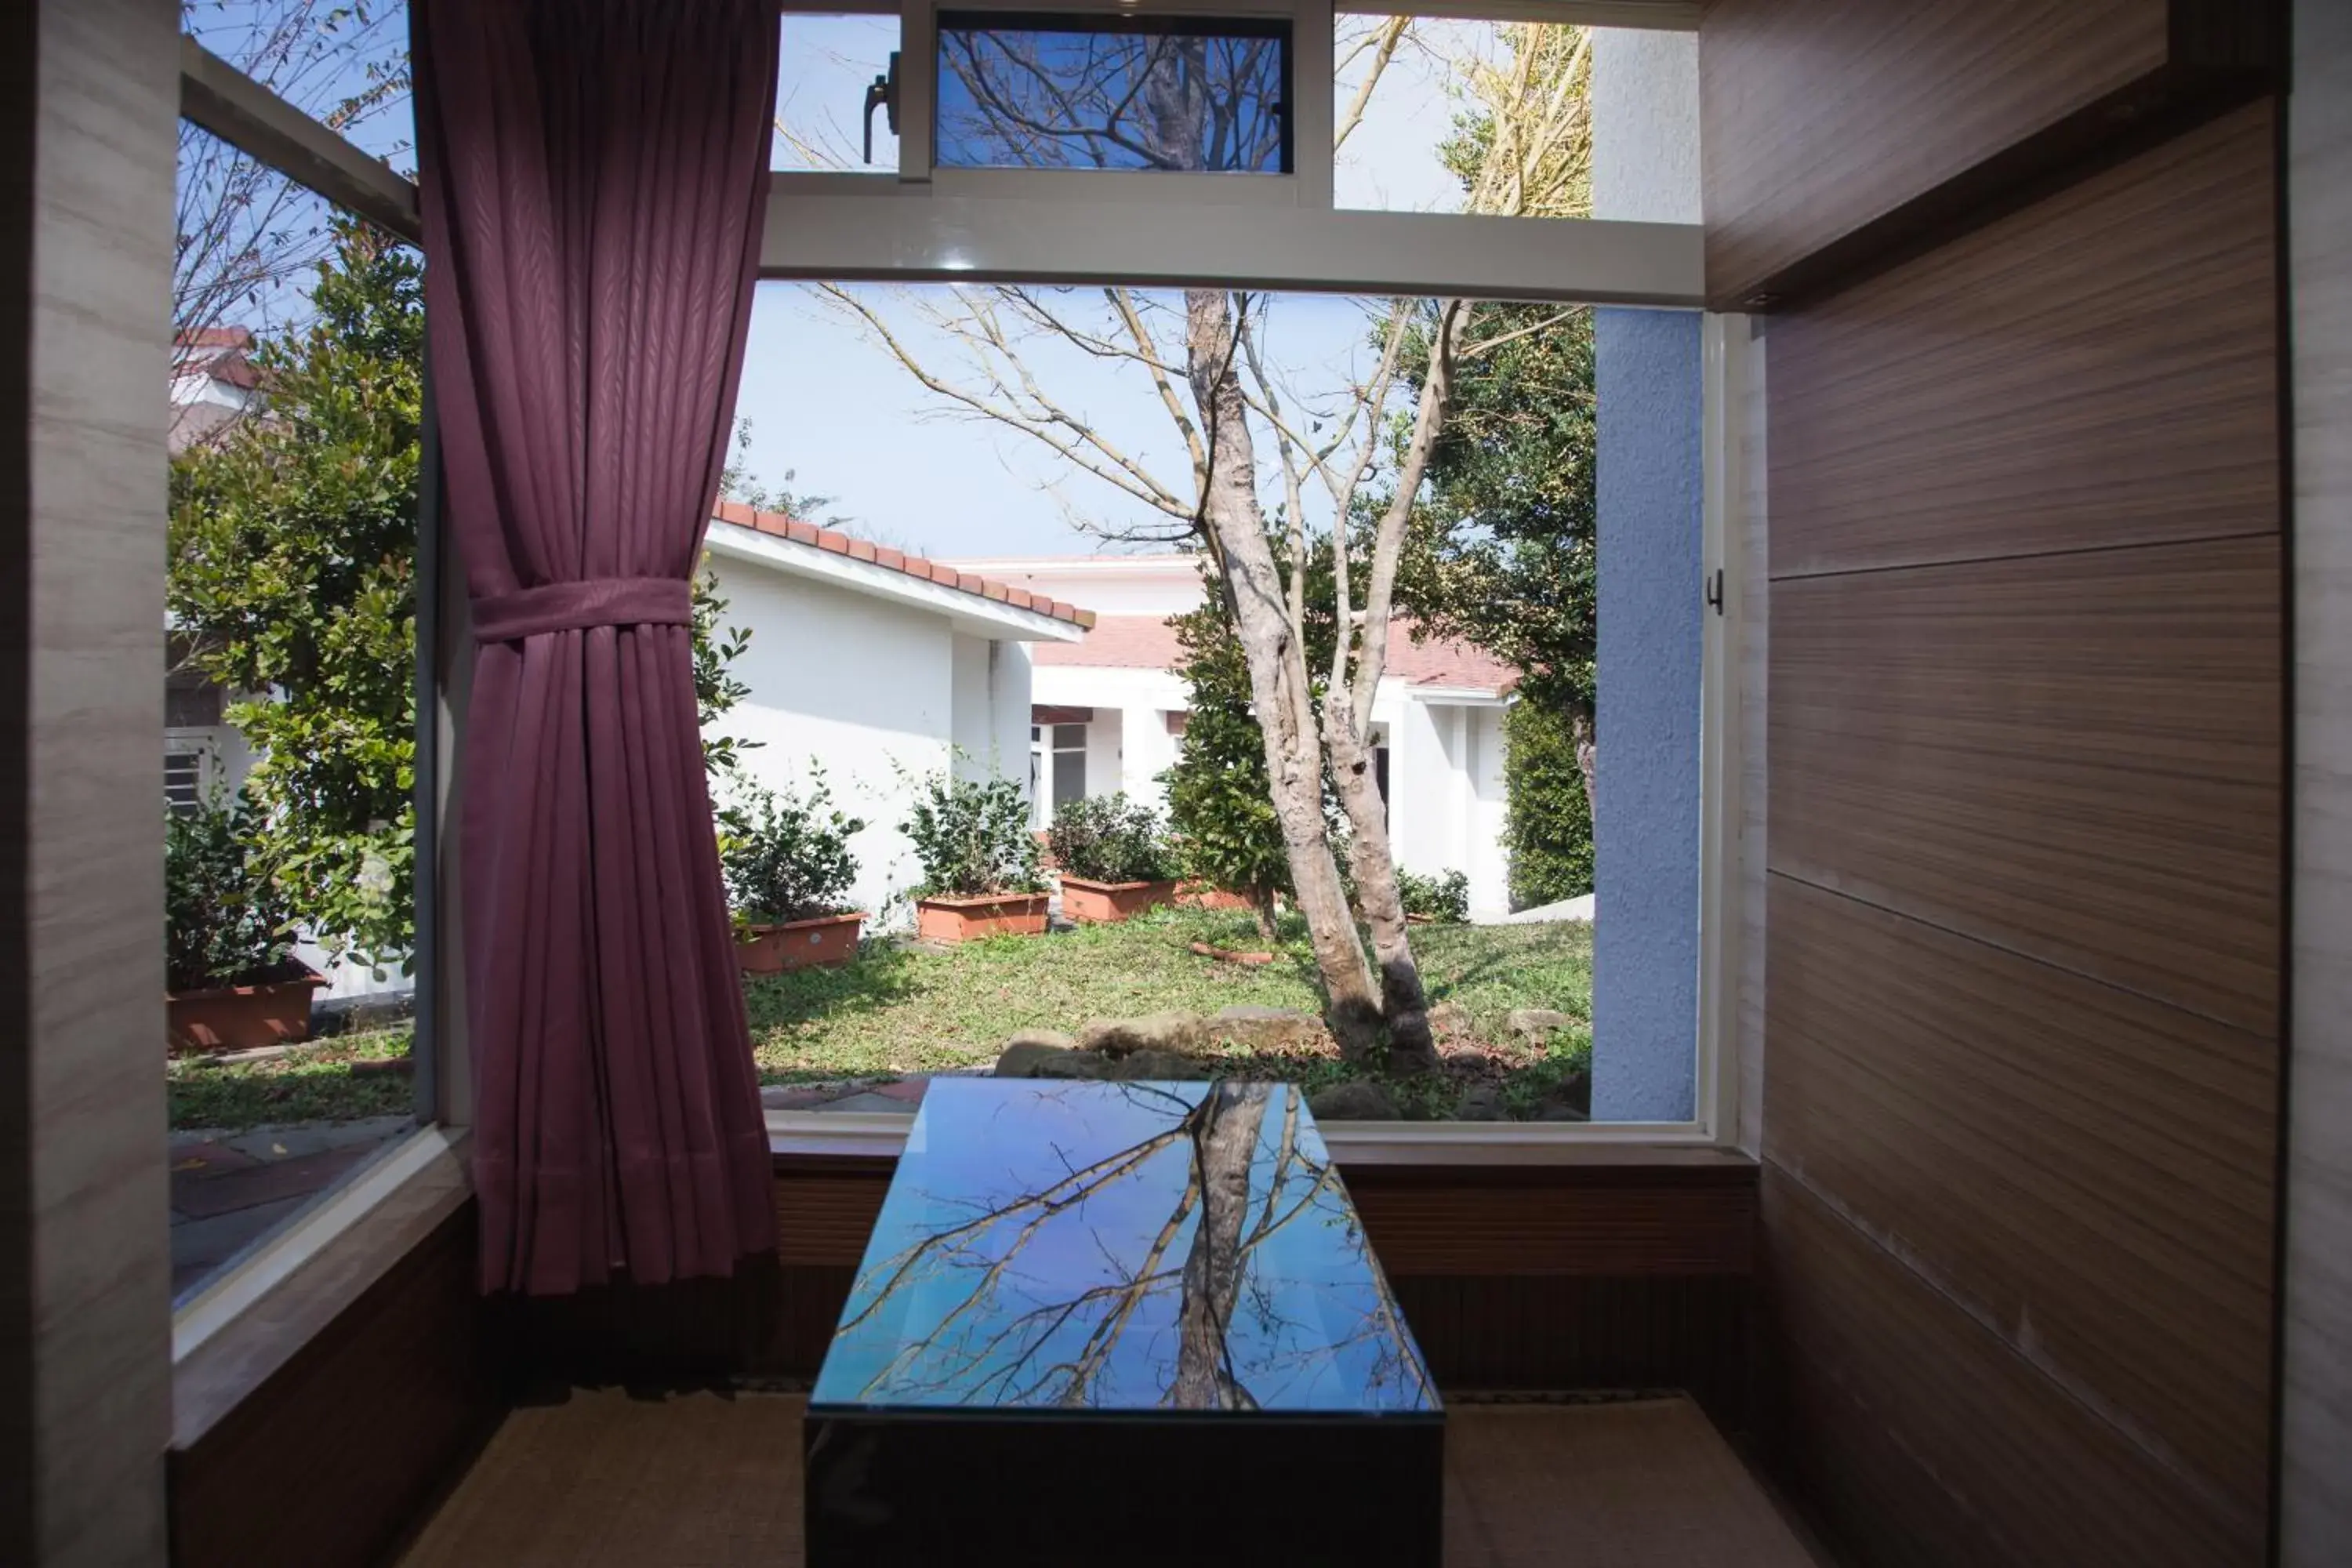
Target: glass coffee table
x: 1120, y: 1323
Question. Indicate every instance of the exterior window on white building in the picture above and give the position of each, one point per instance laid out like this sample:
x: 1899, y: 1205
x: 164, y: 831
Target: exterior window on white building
x: 1069, y: 761
x: 184, y: 779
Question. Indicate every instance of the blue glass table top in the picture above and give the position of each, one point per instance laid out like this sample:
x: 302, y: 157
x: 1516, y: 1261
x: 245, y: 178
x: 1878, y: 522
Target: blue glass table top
x: 1148, y: 1249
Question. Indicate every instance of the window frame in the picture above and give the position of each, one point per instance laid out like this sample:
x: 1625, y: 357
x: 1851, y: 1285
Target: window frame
x: 931, y: 224
x: 377, y: 1201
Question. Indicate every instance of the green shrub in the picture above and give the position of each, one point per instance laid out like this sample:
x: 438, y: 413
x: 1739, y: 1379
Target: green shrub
x: 225, y: 923
x: 786, y: 856
x: 1108, y: 838
x: 1444, y: 897
x: 971, y: 836
x: 1547, y: 824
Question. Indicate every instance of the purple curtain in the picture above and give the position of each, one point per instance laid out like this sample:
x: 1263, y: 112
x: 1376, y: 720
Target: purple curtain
x: 594, y: 174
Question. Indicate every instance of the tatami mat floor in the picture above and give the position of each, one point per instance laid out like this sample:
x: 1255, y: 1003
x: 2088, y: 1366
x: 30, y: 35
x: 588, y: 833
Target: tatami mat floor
x: 700, y: 1480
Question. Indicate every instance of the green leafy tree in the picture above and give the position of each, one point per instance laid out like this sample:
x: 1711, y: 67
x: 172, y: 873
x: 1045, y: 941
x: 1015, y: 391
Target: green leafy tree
x: 292, y: 582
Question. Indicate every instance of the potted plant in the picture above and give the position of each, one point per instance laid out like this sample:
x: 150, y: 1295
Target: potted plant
x: 979, y: 858
x: 787, y: 865
x: 1113, y: 858
x: 231, y: 979
x: 1444, y: 898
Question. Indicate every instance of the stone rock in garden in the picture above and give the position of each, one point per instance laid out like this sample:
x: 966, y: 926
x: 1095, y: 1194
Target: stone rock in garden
x: 1053, y: 1039
x: 1537, y: 1022
x: 1482, y: 1102
x: 1165, y: 1067
x: 1071, y: 1064
x: 1357, y: 1101
x: 1152, y: 1032
x: 1573, y: 1094
x: 1043, y: 1058
x: 1265, y: 1028
x: 1449, y: 1018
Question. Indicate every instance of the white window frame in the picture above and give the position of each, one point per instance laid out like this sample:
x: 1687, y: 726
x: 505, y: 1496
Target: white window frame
x: 1266, y: 231
x: 1256, y: 231
x: 334, y: 1247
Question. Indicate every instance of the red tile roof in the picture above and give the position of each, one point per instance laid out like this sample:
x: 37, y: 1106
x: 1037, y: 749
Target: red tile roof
x: 1149, y: 642
x: 778, y: 525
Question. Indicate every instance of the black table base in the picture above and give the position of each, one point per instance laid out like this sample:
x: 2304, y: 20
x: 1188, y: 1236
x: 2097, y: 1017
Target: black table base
x: 1232, y: 1489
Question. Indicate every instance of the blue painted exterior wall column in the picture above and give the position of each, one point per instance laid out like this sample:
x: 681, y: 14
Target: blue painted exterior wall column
x: 1645, y: 817
x: 1647, y: 370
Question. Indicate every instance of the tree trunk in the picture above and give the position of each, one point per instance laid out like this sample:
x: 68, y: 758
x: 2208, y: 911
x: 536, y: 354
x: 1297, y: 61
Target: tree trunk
x: 1412, y: 1048
x: 1581, y: 730
x: 1224, y: 1146
x: 1280, y: 692
x: 1261, y: 902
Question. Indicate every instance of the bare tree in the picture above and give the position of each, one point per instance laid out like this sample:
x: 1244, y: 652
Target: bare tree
x: 245, y: 233
x: 1171, y: 103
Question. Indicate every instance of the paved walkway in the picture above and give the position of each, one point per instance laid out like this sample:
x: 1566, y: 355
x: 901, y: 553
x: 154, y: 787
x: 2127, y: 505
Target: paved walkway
x: 227, y: 1189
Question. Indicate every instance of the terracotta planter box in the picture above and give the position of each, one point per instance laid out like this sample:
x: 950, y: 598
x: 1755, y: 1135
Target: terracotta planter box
x: 1200, y: 896
x: 983, y: 914
x: 822, y: 942
x: 240, y: 1018
x: 1084, y: 900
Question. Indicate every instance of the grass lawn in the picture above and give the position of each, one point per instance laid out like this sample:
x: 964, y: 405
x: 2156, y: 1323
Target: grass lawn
x: 896, y: 1011
x: 312, y: 1083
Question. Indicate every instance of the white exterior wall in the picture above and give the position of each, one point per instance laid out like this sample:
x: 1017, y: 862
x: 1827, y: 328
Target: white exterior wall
x: 970, y: 719
x: 1106, y: 745
x: 864, y: 689
x: 1008, y: 675
x: 1486, y: 862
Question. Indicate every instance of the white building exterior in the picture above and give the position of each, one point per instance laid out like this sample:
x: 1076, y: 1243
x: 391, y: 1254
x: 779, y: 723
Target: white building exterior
x: 876, y: 670
x: 1110, y: 706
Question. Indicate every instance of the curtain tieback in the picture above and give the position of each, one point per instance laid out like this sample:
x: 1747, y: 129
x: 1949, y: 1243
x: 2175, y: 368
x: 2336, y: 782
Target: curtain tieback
x: 577, y: 606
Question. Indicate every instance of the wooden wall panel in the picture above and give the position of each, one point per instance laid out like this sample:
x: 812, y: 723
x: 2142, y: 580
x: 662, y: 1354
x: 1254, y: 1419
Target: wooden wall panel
x: 343, y: 1449
x: 1836, y: 130
x: 2024, y: 928
x: 1562, y: 1276
x: 2084, y: 1172
x: 1936, y: 1442
x: 1964, y: 407
x: 2078, y: 757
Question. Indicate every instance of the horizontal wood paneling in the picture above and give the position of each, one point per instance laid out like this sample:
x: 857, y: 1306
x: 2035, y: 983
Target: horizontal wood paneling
x: 1936, y: 1443
x: 1966, y: 405
x: 1836, y: 131
x: 2086, y: 1172
x: 2077, y: 757
x: 1512, y: 1276
x: 342, y: 1449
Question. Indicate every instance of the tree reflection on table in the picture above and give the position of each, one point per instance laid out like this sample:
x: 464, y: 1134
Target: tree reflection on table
x: 1209, y: 1261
